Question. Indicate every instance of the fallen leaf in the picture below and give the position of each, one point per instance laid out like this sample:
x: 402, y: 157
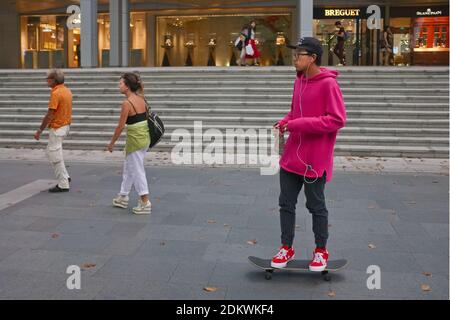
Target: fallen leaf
x: 211, y: 221
x: 210, y: 289
x: 426, y: 288
x: 332, y: 294
x: 372, y: 246
x: 162, y: 243
x: 226, y: 225
x: 88, y: 266
x: 428, y: 274
x: 55, y: 235
x: 252, y: 242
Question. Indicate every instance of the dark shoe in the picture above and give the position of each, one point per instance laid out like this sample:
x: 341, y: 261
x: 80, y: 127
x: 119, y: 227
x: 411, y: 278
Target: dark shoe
x: 56, y: 189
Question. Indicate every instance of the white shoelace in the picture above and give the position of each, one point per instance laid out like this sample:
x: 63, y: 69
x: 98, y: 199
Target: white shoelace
x: 282, y: 253
x: 318, y: 258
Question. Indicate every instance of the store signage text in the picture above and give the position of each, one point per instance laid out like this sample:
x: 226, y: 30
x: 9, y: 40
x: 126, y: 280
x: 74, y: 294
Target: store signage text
x: 429, y: 12
x: 74, y: 20
x: 342, y: 12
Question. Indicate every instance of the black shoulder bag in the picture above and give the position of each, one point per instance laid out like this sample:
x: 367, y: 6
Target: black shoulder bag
x: 155, y: 126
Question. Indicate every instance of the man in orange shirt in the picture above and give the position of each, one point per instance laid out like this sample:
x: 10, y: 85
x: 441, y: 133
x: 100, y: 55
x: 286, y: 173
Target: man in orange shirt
x: 58, y: 120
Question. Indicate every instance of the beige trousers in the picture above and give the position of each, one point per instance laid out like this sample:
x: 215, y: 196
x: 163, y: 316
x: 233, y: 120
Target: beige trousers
x: 55, y: 155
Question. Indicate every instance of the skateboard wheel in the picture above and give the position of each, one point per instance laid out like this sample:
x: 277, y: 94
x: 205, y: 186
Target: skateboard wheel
x: 327, y: 277
x: 268, y: 275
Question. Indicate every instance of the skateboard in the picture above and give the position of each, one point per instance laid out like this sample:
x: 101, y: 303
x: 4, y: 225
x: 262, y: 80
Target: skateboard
x: 297, y: 265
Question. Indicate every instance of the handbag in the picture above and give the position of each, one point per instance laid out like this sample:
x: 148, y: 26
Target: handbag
x: 249, y: 50
x: 238, y: 43
x: 155, y: 126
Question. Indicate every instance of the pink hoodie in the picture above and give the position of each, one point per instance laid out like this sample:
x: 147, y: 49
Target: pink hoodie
x: 317, y: 113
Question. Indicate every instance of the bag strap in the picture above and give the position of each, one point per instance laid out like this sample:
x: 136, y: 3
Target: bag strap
x: 147, y: 107
x: 132, y: 105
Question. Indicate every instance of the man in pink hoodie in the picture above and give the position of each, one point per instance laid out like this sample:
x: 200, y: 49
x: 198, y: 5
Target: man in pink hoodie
x: 317, y: 113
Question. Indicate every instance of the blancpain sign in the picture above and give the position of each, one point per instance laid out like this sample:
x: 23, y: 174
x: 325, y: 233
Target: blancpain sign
x: 429, y: 13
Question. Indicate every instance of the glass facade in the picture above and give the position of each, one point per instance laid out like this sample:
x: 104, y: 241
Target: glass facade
x: 208, y: 40
x: 45, y: 42
x: 361, y: 45
x: 420, y: 37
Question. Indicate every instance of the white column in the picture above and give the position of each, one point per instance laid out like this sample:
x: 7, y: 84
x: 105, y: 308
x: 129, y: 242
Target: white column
x: 125, y: 33
x: 115, y: 52
x: 89, y: 34
x: 305, y: 18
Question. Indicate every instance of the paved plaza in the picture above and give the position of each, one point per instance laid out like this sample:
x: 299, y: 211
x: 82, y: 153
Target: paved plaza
x: 205, y: 223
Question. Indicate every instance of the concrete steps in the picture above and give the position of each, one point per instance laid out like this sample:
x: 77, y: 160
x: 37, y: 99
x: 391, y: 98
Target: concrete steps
x: 340, y: 149
x: 398, y: 112
x: 227, y: 105
x: 220, y: 112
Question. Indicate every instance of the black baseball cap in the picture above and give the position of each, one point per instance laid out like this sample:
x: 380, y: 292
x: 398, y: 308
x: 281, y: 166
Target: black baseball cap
x: 310, y: 44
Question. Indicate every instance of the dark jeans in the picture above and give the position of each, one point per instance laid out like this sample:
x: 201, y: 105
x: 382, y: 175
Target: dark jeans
x: 290, y: 185
x: 339, y: 51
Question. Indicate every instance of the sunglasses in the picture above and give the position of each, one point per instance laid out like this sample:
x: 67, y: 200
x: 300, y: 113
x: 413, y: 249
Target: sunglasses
x: 298, y: 54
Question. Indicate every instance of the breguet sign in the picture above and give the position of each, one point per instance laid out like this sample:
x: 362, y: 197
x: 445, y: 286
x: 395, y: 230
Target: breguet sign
x: 342, y: 12
x: 345, y: 13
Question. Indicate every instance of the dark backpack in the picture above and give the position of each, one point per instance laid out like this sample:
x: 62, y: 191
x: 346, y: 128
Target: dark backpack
x: 346, y: 36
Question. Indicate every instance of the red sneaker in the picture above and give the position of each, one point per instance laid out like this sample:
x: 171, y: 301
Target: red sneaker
x: 320, y: 260
x: 283, y: 256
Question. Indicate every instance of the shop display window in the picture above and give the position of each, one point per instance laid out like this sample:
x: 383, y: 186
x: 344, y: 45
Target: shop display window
x: 194, y: 37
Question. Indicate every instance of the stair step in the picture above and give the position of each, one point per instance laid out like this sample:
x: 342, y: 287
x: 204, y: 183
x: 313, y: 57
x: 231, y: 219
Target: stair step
x: 340, y: 149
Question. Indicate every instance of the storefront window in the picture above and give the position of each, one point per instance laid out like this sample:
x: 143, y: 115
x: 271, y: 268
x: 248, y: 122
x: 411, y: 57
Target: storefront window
x: 191, y: 37
x: 420, y: 35
x: 361, y: 43
x: 430, y: 40
x: 325, y: 30
x: 138, y: 39
x: 401, y: 29
x: 104, y: 42
x: 47, y: 43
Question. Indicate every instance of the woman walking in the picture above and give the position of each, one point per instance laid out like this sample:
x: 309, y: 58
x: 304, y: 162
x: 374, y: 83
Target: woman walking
x: 248, y: 34
x: 134, y: 116
x: 386, y: 45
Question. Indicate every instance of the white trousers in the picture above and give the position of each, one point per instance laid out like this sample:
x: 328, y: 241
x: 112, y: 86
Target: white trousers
x: 134, y: 173
x: 55, y: 155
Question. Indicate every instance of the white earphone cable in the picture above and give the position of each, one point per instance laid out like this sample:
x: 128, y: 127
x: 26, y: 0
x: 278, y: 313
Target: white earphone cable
x: 308, y: 167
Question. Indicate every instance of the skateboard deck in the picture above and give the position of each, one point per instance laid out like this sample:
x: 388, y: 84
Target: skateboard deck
x: 297, y: 265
